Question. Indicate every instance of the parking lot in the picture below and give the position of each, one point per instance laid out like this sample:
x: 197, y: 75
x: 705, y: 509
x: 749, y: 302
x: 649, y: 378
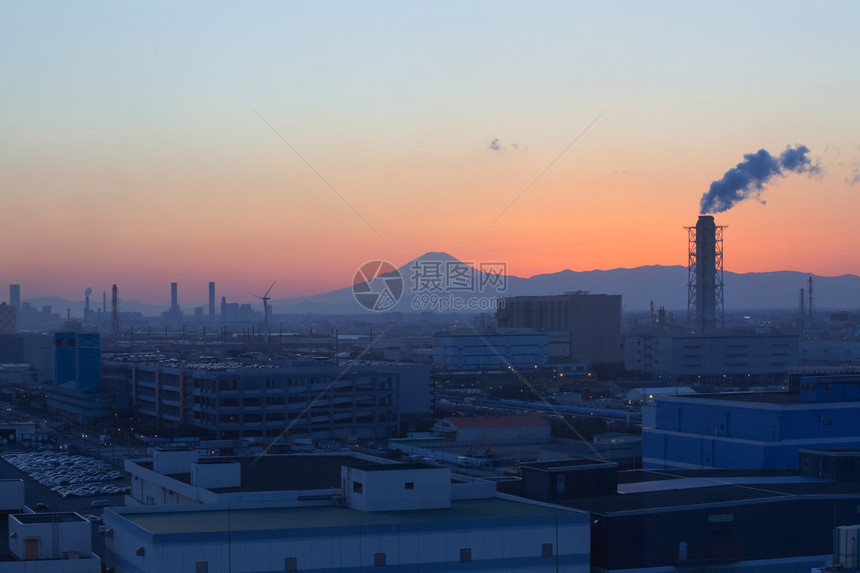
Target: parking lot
x: 68, y: 475
x: 82, y: 474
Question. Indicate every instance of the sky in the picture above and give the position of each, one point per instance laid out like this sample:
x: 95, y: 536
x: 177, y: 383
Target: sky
x: 244, y: 143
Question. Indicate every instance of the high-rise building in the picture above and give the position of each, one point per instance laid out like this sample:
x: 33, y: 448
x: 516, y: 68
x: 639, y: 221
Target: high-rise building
x: 212, y: 302
x: 15, y: 296
x: 593, y: 322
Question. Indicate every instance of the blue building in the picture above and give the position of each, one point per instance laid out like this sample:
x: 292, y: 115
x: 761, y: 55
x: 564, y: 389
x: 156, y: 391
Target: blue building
x: 77, y: 395
x: 77, y: 360
x: 756, y: 430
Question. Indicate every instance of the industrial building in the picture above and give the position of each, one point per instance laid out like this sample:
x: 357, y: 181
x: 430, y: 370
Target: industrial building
x: 753, y: 430
x: 472, y: 351
x: 232, y: 400
x: 352, y: 517
x: 181, y: 476
x: 77, y: 360
x: 685, y: 358
x: 592, y: 323
x: 77, y: 395
x: 702, y: 520
x: 59, y: 542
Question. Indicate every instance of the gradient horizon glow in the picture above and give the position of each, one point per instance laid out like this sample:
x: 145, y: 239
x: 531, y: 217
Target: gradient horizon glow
x: 131, y: 151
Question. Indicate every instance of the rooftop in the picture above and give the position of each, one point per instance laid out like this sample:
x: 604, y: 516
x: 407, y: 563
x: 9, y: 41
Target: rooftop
x: 515, y: 421
x: 658, y: 490
x: 283, y: 472
x: 758, y: 397
x: 560, y: 465
x: 172, y: 522
x: 64, y: 517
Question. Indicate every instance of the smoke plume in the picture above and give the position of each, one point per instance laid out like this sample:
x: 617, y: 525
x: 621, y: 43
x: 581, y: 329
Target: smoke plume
x: 748, y: 178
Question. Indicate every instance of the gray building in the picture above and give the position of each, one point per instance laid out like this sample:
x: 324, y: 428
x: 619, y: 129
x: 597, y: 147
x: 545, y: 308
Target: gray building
x: 593, y: 322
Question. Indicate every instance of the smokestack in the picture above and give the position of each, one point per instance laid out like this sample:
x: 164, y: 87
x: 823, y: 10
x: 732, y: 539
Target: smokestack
x: 114, y: 312
x: 705, y: 274
x: 802, y: 303
x: 174, y: 297
x: 211, y: 302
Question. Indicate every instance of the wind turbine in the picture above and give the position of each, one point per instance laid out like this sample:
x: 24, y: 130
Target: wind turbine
x: 265, y: 298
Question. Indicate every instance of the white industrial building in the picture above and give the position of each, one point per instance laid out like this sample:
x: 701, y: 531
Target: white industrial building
x: 181, y: 477
x: 396, y: 516
x: 42, y: 542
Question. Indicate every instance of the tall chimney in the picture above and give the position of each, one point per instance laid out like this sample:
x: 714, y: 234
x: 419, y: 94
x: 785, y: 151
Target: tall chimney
x: 114, y: 312
x: 174, y: 297
x: 705, y: 274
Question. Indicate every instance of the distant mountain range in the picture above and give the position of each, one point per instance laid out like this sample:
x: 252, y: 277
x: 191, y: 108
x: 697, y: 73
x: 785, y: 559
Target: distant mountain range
x: 664, y: 285
x: 437, y: 281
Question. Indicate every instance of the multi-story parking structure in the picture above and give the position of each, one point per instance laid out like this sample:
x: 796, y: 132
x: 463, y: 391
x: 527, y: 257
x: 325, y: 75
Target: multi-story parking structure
x: 233, y: 401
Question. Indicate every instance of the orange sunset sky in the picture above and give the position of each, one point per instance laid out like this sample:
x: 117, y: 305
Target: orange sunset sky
x: 132, y: 150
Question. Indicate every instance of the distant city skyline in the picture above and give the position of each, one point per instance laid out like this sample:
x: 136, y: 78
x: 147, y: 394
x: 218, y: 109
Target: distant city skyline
x: 153, y: 143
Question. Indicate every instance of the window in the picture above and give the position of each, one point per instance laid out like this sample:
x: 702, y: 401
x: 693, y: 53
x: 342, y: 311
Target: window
x: 202, y: 567
x: 290, y: 564
x: 546, y: 550
x: 409, y: 485
x: 357, y: 487
x: 466, y: 555
x: 379, y: 559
